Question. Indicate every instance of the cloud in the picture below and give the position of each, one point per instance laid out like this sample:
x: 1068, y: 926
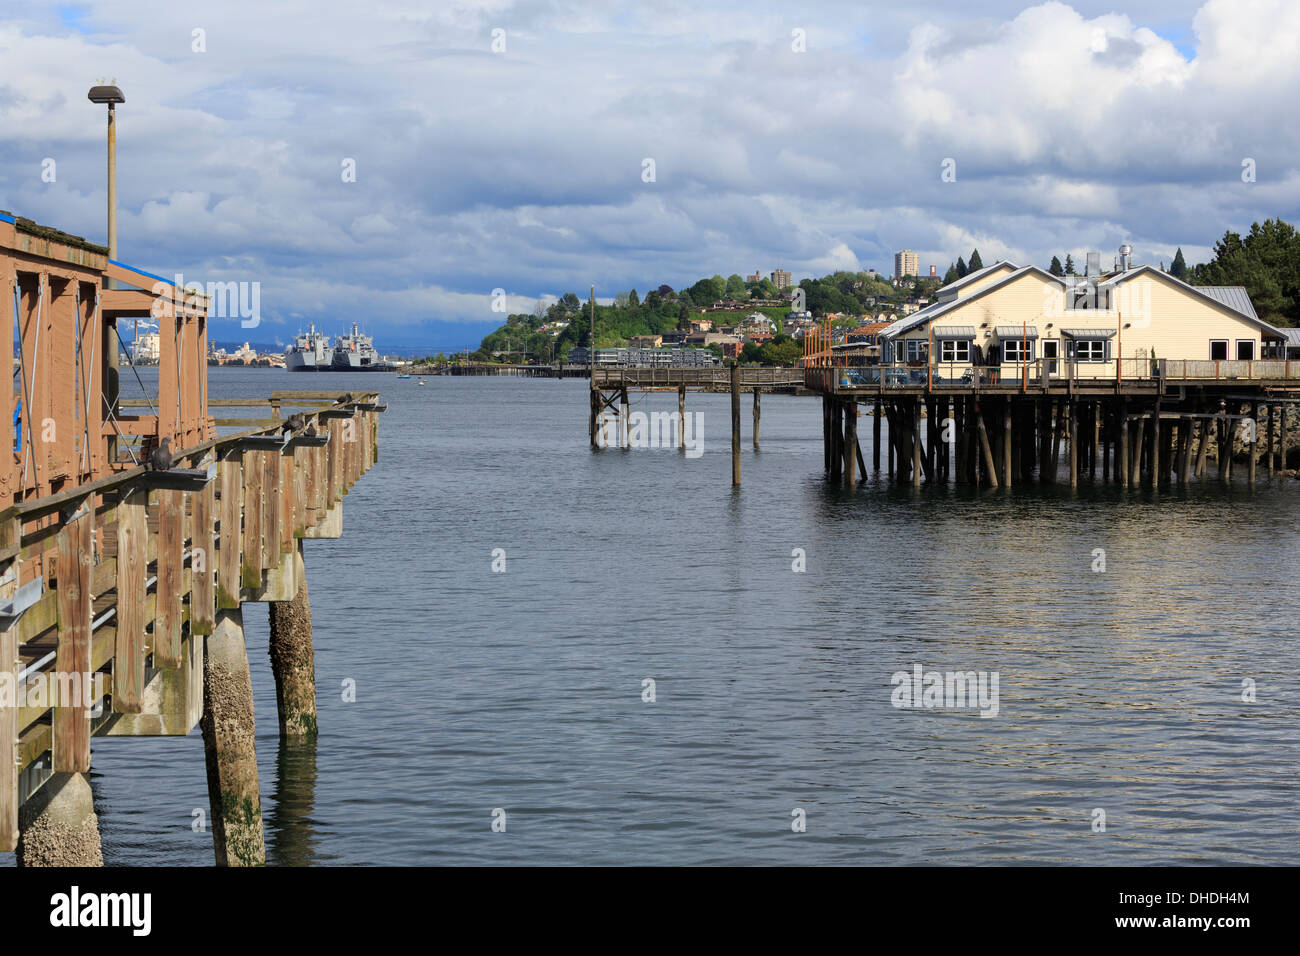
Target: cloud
x: 522, y: 170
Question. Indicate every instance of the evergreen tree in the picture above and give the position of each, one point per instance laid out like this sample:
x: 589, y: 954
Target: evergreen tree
x: 1266, y: 262
x: 951, y: 275
x: 961, y: 267
x: 1055, y: 268
x: 1069, y: 264
x: 975, y: 263
x: 1178, y: 268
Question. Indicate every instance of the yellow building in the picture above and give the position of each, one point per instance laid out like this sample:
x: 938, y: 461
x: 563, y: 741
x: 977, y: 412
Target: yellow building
x: 1021, y: 320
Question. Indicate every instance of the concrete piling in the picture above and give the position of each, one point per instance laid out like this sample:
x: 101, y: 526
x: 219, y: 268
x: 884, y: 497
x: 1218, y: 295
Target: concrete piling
x: 58, y: 826
x: 292, y: 659
x: 228, y: 743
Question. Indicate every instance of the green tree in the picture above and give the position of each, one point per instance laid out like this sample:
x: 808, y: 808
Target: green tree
x: 1055, y: 268
x: 961, y: 267
x: 951, y: 275
x: 735, y: 288
x: 1178, y: 268
x: 975, y: 263
x: 1069, y: 265
x: 1266, y: 262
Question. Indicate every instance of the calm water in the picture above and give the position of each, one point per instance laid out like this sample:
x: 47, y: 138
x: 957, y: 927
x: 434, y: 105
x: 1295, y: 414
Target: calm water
x: 522, y: 690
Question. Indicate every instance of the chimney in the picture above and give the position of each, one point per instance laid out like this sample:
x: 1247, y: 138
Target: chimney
x: 1094, y: 264
x: 1125, y: 257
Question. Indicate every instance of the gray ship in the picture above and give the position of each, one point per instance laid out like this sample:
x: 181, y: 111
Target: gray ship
x: 310, y: 352
x: 356, y: 353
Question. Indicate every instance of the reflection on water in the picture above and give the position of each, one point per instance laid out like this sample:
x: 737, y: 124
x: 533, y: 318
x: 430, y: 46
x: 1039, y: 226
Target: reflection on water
x: 1120, y: 691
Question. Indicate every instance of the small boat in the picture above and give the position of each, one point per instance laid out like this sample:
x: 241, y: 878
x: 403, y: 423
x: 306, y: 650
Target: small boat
x: 404, y: 376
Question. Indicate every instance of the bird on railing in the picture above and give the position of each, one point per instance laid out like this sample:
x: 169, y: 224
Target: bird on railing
x: 294, y: 424
x: 311, y: 430
x: 345, y: 399
x: 160, y: 459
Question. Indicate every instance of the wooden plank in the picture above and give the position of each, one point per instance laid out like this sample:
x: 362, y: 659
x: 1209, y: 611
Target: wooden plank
x: 228, y: 568
x: 203, y: 559
x: 335, y: 467
x: 171, y: 563
x: 251, y: 565
x: 270, y: 502
x: 301, y: 457
x: 71, y: 721
x: 132, y: 561
x: 286, y: 502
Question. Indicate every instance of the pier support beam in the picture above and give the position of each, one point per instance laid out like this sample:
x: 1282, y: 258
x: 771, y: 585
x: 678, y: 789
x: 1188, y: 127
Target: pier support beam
x: 875, y: 437
x: 850, y: 441
x: 735, y: 425
x: 58, y: 827
x: 757, y: 415
x: 681, y: 417
x: 228, y: 743
x: 293, y: 660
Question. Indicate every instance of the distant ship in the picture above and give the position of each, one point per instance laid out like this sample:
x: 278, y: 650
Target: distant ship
x: 356, y: 353
x: 310, y: 352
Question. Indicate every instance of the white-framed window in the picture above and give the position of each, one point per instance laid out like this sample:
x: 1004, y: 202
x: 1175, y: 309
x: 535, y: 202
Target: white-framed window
x: 1017, y: 350
x: 1218, y: 350
x: 1245, y: 350
x: 954, y: 350
x: 1090, y: 350
x: 915, y: 350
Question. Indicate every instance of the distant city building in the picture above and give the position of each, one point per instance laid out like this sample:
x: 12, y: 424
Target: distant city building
x: 934, y: 271
x: 756, y: 277
x: 782, y: 279
x: 906, y: 263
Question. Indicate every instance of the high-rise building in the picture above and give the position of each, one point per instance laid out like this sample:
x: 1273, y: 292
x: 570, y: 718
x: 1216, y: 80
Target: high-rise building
x: 781, y: 279
x: 906, y: 263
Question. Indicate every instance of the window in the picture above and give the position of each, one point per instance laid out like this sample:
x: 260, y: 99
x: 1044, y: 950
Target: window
x: 1245, y: 350
x: 916, y: 350
x: 954, y: 350
x: 1090, y: 350
x: 1017, y: 350
x: 1218, y: 350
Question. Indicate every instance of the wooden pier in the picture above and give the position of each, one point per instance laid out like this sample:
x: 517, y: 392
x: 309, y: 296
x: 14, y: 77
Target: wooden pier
x: 124, y: 568
x: 1152, y: 424
x: 610, y: 386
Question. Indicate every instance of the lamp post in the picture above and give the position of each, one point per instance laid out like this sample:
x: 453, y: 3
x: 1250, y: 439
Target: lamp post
x: 110, y: 96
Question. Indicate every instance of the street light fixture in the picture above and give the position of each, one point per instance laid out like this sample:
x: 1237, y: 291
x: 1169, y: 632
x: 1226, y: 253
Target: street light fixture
x: 110, y: 95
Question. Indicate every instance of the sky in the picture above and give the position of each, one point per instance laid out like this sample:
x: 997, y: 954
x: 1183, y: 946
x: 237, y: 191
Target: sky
x: 543, y: 147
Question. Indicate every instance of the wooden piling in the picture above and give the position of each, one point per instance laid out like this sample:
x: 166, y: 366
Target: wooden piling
x: 989, y: 466
x: 875, y: 435
x: 229, y: 746
x: 251, y: 470
x: 1006, y: 442
x: 293, y: 658
x: 1269, y: 441
x: 735, y: 424
x: 757, y: 414
x: 58, y: 826
x: 850, y: 443
x: 229, y: 511
x: 203, y: 558
x: 1254, y: 441
x: 1124, y: 467
x: 681, y: 417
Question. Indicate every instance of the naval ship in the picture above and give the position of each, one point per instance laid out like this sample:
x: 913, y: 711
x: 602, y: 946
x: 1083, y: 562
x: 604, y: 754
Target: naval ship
x: 310, y: 352
x: 355, y: 352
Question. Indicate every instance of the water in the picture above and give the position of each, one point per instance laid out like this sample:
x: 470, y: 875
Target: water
x: 1119, y: 691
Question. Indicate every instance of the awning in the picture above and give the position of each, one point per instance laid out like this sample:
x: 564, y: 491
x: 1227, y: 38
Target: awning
x: 954, y: 331
x: 1088, y: 333
x: 1017, y: 332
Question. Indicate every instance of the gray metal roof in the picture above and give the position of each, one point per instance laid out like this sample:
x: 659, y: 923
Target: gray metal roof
x: 1088, y: 333
x: 1292, y: 338
x: 954, y: 331
x: 1233, y: 296
x: 1016, y: 332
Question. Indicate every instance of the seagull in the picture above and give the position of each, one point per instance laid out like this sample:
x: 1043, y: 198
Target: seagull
x: 294, y: 423
x: 160, y: 459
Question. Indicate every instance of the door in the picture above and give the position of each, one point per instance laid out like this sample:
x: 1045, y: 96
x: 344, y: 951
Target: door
x: 1051, y: 357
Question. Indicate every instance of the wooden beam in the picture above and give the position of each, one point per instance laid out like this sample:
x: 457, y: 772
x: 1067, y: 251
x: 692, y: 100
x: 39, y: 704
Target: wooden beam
x: 228, y: 553
x: 171, y: 561
x: 70, y: 751
x: 203, y: 561
x: 132, y: 562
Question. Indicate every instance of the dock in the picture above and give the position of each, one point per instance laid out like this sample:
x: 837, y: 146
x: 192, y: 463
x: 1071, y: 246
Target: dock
x: 131, y: 535
x: 1150, y: 423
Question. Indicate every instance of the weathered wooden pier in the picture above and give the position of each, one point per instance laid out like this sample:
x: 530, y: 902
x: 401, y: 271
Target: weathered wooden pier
x: 129, y: 544
x: 610, y: 386
x: 1152, y: 424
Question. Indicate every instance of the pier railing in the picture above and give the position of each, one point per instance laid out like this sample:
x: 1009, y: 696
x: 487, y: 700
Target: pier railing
x: 107, y: 587
x: 707, y: 377
x: 1049, y: 374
